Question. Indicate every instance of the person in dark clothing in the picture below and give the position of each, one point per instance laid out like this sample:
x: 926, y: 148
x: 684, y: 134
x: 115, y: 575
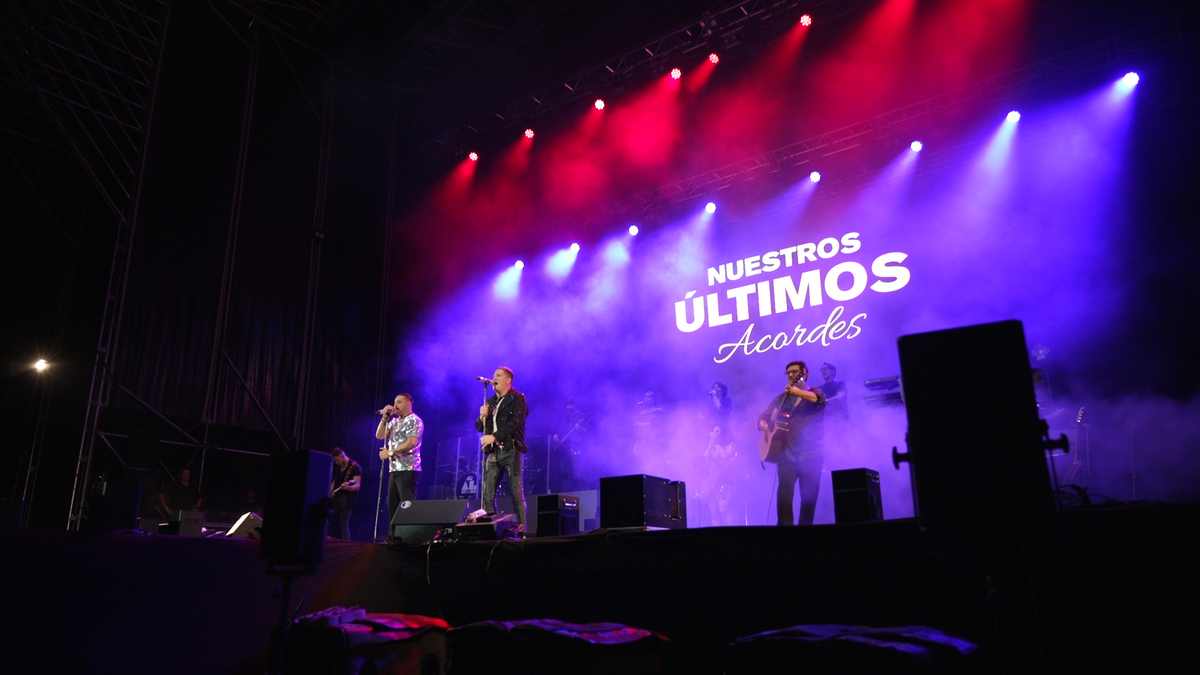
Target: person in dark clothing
x: 180, y: 496
x: 347, y: 480
x: 800, y: 410
x: 722, y: 404
x: 835, y: 393
x: 502, y: 422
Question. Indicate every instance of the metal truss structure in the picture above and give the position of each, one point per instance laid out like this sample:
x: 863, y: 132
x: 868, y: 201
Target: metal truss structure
x: 904, y: 121
x: 91, y: 70
x: 741, y: 28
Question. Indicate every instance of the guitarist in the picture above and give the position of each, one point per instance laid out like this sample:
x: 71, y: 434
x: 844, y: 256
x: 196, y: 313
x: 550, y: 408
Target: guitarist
x: 347, y: 479
x: 801, y: 409
x: 571, y: 439
x: 574, y: 427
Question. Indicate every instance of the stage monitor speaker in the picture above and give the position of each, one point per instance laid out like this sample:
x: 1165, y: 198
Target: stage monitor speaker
x: 184, y: 524
x: 297, y: 510
x: 248, y: 526
x: 975, y: 443
x: 856, y: 496
x: 643, y: 501
x: 557, y: 515
x: 417, y: 522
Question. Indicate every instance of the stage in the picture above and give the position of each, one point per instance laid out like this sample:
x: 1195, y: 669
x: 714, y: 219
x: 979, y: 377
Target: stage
x: 1113, y: 590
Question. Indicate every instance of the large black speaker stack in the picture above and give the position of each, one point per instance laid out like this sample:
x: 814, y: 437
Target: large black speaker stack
x: 976, y: 447
x: 297, y: 510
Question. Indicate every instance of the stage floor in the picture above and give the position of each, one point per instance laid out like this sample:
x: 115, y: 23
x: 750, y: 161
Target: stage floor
x: 1114, y: 590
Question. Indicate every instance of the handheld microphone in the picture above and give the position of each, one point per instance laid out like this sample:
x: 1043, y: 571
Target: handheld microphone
x: 381, y: 411
x: 481, y: 378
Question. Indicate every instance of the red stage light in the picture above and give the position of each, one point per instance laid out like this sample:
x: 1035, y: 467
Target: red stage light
x: 474, y: 157
x: 599, y: 104
x: 806, y: 21
x: 676, y: 73
x: 529, y: 133
x: 713, y: 58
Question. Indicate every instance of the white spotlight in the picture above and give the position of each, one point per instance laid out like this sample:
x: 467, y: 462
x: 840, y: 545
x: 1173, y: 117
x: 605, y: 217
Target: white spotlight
x: 633, y: 230
x: 815, y: 176
x: 1130, y: 79
x: 916, y: 146
x: 1013, y: 117
x: 574, y: 248
x: 520, y: 264
x: 710, y: 208
x: 41, y: 365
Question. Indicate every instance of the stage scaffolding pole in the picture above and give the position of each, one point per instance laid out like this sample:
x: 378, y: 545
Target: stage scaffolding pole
x: 114, y: 299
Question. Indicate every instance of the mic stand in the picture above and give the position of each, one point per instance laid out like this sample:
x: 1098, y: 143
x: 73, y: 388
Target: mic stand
x: 483, y: 459
x: 379, y: 504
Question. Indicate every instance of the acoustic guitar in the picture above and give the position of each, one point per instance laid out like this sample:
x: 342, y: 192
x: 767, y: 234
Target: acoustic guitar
x: 773, y: 441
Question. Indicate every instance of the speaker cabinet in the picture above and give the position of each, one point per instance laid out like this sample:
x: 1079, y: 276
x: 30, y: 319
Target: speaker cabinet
x: 249, y: 525
x: 557, y: 515
x: 297, y: 510
x: 643, y: 501
x: 184, y: 524
x: 113, y: 506
x: 975, y: 449
x: 856, y: 496
x: 417, y: 522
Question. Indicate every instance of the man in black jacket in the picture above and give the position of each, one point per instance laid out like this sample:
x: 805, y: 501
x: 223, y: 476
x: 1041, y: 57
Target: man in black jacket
x: 502, y: 421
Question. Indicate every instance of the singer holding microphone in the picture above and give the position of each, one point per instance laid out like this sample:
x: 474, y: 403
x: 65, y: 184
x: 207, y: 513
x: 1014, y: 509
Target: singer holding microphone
x: 402, y: 430
x: 800, y: 410
x: 502, y: 422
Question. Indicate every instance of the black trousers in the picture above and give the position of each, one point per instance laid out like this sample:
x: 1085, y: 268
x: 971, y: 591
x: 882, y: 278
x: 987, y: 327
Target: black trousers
x: 808, y: 473
x: 341, y: 513
x: 402, y: 487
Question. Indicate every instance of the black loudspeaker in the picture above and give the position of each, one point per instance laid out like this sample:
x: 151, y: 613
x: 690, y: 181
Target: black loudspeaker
x: 417, y: 522
x: 184, y: 523
x: 113, y: 506
x: 297, y: 510
x: 975, y: 443
x: 643, y: 501
x: 856, y: 496
x: 557, y: 515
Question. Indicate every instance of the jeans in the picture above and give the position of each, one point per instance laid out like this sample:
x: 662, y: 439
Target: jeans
x: 510, y: 462
x: 808, y: 473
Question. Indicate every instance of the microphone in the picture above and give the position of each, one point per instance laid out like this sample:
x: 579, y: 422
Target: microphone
x: 481, y: 378
x: 712, y: 392
x: 381, y: 411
